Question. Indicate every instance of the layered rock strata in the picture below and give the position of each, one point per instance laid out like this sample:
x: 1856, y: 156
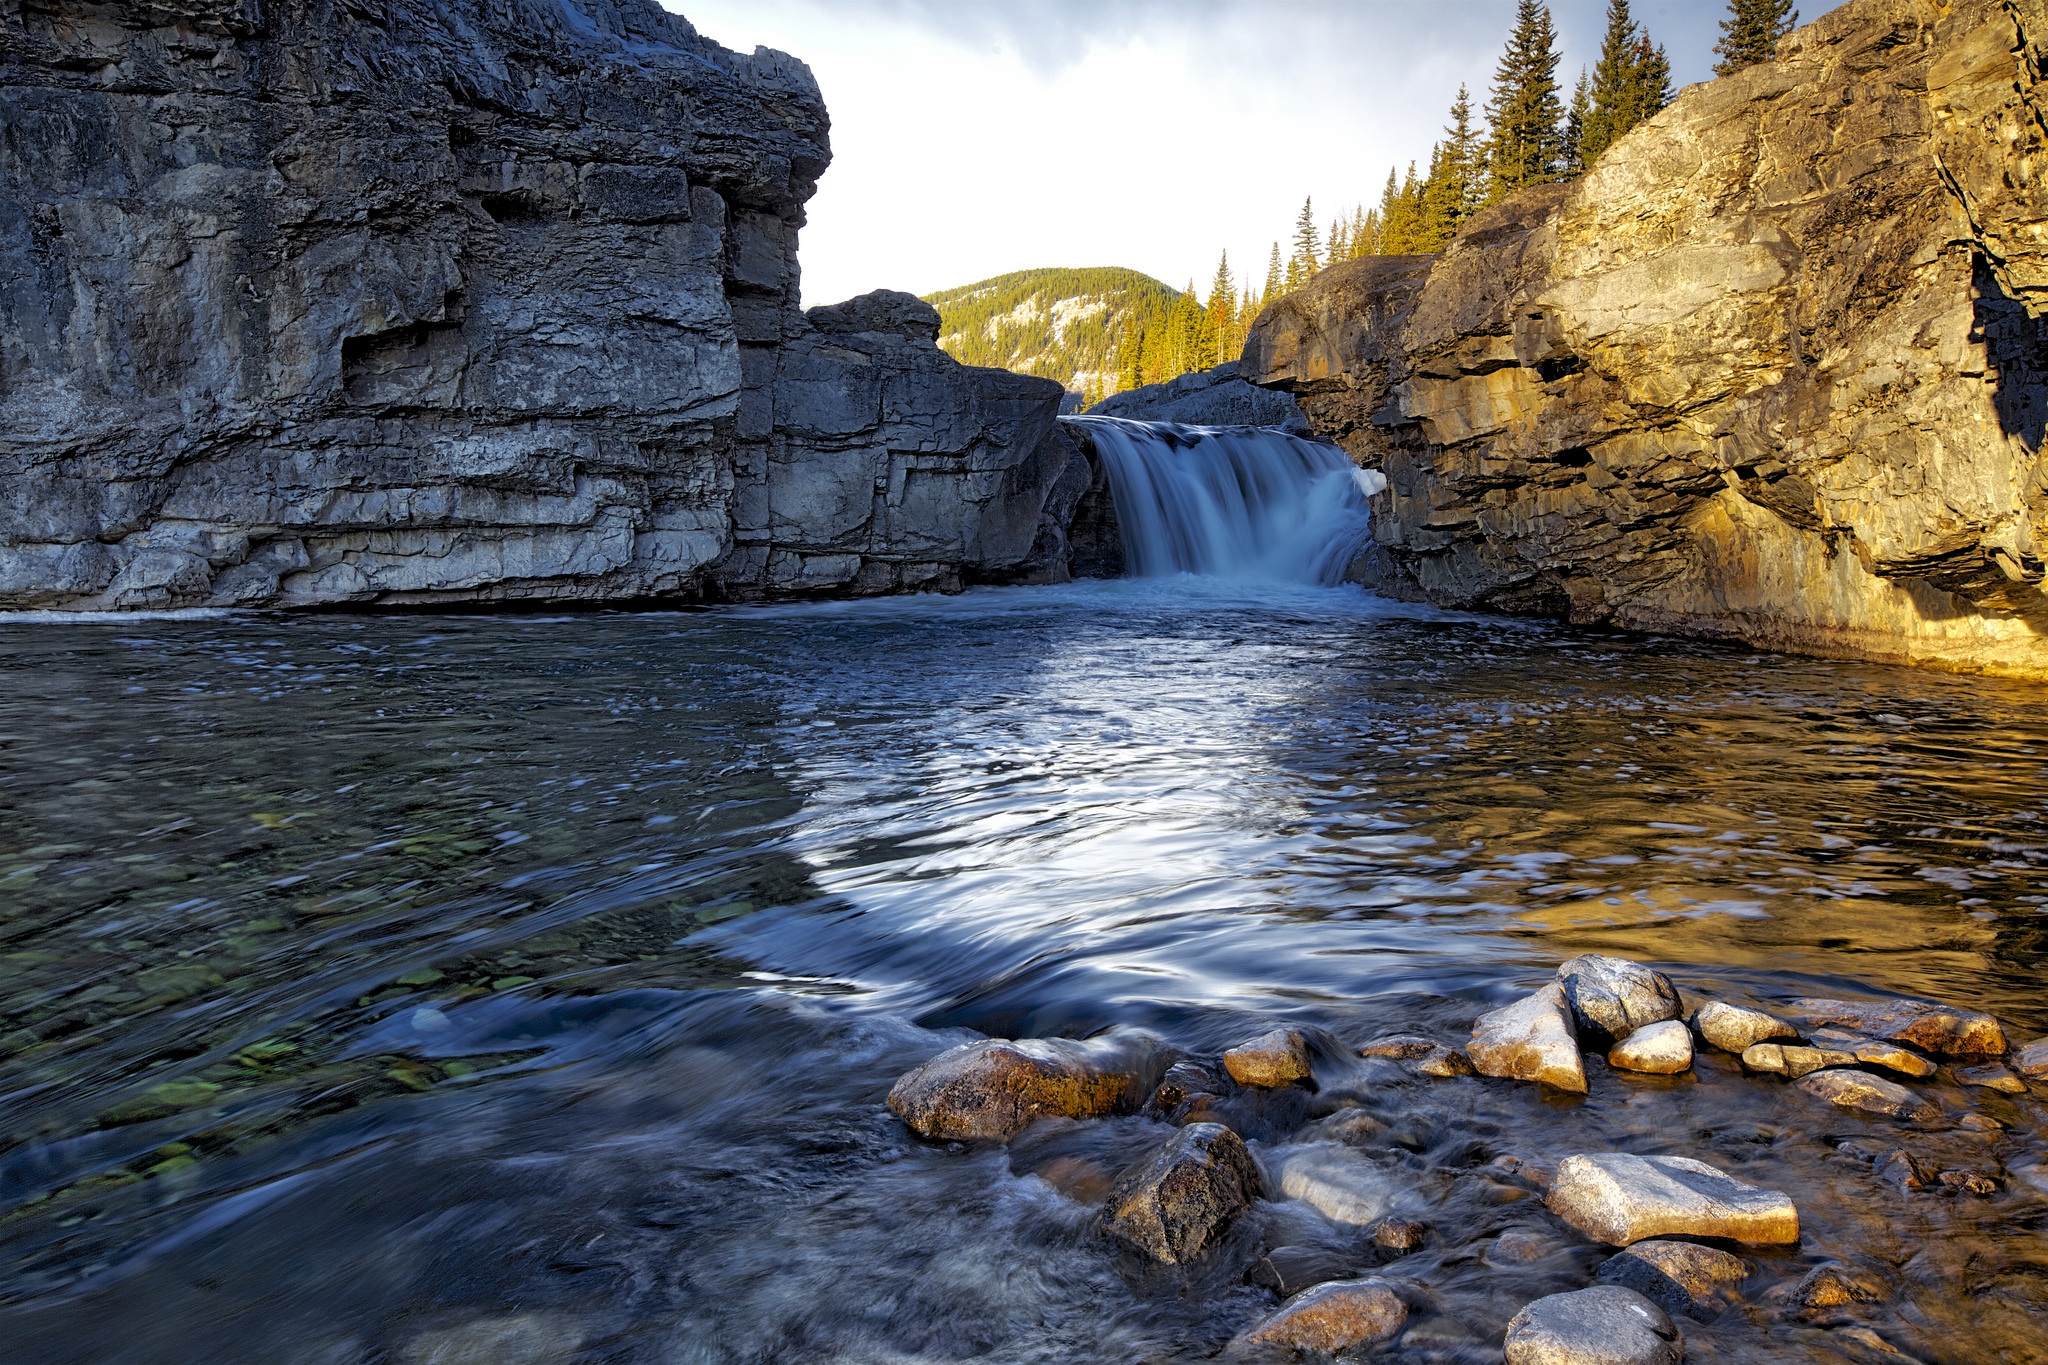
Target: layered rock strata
x: 1771, y: 370
x: 425, y: 301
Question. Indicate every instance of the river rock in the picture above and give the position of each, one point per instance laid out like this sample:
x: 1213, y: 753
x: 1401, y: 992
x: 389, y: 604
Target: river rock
x: 1990, y: 1077
x: 1604, y: 1325
x: 1270, y: 1060
x: 2031, y: 1061
x: 1662, y: 1049
x: 1334, y: 1317
x: 1932, y: 1028
x: 1530, y: 1040
x: 1969, y: 1182
x: 992, y: 1088
x: 1619, y: 1199
x: 1787, y: 1059
x: 1177, y: 1200
x: 1613, y: 997
x: 1861, y: 1091
x: 1735, y: 1029
x: 1904, y: 1170
x: 1400, y: 1235
x: 1679, y: 1277
x: 1423, y: 1056
x: 1184, y: 1081
x: 1835, y: 1285
x: 1333, y: 1180
x: 1287, y: 1270
x: 1874, y: 1052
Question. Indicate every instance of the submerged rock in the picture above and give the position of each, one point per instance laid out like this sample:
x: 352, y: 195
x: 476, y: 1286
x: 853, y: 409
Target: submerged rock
x: 1604, y: 1325
x: 1874, y: 1052
x: 2031, y: 1061
x: 1662, y: 1049
x: 1335, y: 1317
x: 1679, y: 1277
x: 1530, y: 1040
x: 1904, y: 1170
x: 1269, y: 1061
x: 1335, y: 1181
x: 1835, y: 1285
x: 1614, y: 996
x: 1186, y: 1193
x: 1401, y: 1235
x: 1936, y: 1029
x: 993, y: 1088
x: 1861, y: 1091
x: 1619, y: 1198
x: 1785, y: 1059
x: 1991, y: 1077
x: 1183, y: 1081
x: 1400, y: 1047
x: 1290, y: 1269
x: 1735, y: 1029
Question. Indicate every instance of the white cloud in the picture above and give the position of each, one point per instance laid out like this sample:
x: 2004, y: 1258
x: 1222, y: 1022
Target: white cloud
x: 971, y: 138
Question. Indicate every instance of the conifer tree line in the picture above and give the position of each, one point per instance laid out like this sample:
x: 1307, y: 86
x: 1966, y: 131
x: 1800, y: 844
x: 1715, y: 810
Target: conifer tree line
x: 1529, y: 137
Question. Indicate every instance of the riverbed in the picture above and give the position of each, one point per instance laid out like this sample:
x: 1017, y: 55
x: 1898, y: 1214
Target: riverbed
x: 527, y: 988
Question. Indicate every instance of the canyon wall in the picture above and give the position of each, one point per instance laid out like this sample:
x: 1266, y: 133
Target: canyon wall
x: 305, y: 302
x: 1773, y: 369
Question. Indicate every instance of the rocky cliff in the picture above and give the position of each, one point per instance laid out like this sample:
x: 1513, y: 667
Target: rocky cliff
x: 1773, y: 369
x: 401, y: 301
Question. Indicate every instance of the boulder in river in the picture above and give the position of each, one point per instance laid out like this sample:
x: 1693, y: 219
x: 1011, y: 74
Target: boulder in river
x: 1868, y: 1094
x: 1270, y: 1060
x: 1735, y: 1029
x: 1679, y: 1277
x: 1613, y: 997
x: 2031, y: 1061
x: 1991, y: 1076
x: 1873, y: 1051
x: 1619, y: 1198
x: 1172, y: 1204
x: 1937, y: 1029
x: 995, y: 1088
x: 1661, y: 1049
x: 1530, y: 1040
x: 1835, y: 1285
x: 1604, y: 1325
x: 1789, y: 1059
x: 1334, y: 1317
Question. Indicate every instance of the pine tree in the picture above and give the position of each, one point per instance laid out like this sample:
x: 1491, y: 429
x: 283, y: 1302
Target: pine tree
x: 1525, y: 141
x: 1751, y: 31
x: 1308, y: 248
x: 1450, y: 195
x: 1223, y: 310
x: 1130, y: 357
x: 1631, y: 83
x: 1340, y: 241
x: 1403, y: 229
x: 1276, y: 283
x: 1365, y: 239
x: 1575, y: 126
x: 1653, y: 81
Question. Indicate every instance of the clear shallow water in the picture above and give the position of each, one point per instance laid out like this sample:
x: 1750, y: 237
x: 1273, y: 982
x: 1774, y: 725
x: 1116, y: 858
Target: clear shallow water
x: 521, y: 988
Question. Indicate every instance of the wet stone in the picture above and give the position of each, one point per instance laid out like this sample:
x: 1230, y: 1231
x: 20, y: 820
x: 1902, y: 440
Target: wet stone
x: 994, y: 1088
x: 1678, y: 1277
x: 1932, y: 1028
x: 1874, y: 1052
x: 1335, y: 1181
x: 1969, y: 1182
x: 1613, y: 997
x: 2031, y: 1061
x: 1518, y: 1247
x: 1182, y: 1080
x: 1270, y: 1060
x: 1991, y: 1077
x: 1619, y: 1198
x: 1335, y: 1317
x: 1401, y: 1235
x: 1867, y: 1094
x: 1288, y: 1270
x: 1661, y: 1049
x: 1443, y: 1063
x: 1173, y: 1203
x: 1785, y: 1059
x: 1400, y: 1047
x: 1605, y: 1325
x: 1735, y: 1029
x: 1835, y: 1285
x: 1530, y: 1040
x: 1904, y: 1170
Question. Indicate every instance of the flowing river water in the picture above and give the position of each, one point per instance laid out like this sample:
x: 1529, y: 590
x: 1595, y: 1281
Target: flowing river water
x: 522, y: 989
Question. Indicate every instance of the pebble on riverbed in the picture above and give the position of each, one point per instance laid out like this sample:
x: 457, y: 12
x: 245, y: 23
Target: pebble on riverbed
x: 1661, y: 1049
x: 992, y: 1088
x: 1177, y: 1200
x: 1530, y: 1040
x: 1619, y: 1198
x: 1270, y: 1060
x: 1334, y: 1316
x: 1604, y: 1325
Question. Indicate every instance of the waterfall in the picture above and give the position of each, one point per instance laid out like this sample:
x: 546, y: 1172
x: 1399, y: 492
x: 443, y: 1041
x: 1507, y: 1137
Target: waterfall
x: 1233, y: 502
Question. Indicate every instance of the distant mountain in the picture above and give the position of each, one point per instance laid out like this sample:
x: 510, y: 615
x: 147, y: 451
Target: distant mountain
x: 1062, y: 324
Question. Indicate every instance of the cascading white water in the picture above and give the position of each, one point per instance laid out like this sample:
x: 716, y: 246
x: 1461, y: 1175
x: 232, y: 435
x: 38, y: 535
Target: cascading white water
x: 1233, y: 502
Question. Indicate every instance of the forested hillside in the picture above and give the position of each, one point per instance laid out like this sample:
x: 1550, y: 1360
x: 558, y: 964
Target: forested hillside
x: 1063, y: 324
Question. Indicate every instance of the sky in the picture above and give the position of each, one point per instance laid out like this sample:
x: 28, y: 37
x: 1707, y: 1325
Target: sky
x: 975, y: 137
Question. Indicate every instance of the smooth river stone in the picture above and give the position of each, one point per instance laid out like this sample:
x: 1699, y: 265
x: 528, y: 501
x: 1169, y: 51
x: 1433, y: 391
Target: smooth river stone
x: 1938, y: 1029
x: 1874, y: 1052
x: 1619, y: 1198
x: 1655, y: 1049
x: 1177, y: 1200
x: 994, y: 1088
x: 1787, y: 1059
x: 2031, y: 1061
x: 1614, y: 996
x: 1334, y: 1317
x: 1604, y: 1325
x: 1868, y: 1094
x: 1735, y: 1029
x: 1678, y: 1277
x: 1270, y: 1060
x: 1991, y: 1077
x: 1530, y: 1040
x: 1334, y: 1181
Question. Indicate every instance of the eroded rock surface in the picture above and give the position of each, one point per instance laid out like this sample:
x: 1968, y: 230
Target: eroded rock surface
x: 1612, y: 997
x: 1735, y: 1029
x: 1769, y: 370
x: 1619, y: 1199
x: 1530, y: 1040
x: 994, y: 1088
x: 1173, y: 1203
x: 1938, y: 1029
x: 1334, y: 1317
x: 1604, y: 1325
x: 424, y: 301
x: 1206, y: 398
x: 1868, y: 1094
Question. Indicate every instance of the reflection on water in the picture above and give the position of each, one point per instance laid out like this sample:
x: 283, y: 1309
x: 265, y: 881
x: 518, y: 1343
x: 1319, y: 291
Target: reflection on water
x: 526, y: 989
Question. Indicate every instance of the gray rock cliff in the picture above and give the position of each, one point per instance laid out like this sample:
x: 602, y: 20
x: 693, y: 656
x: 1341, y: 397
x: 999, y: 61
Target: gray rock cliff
x: 424, y: 301
x: 1773, y: 369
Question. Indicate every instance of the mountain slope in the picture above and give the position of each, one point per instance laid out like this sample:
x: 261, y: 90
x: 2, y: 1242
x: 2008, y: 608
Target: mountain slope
x: 1059, y: 323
